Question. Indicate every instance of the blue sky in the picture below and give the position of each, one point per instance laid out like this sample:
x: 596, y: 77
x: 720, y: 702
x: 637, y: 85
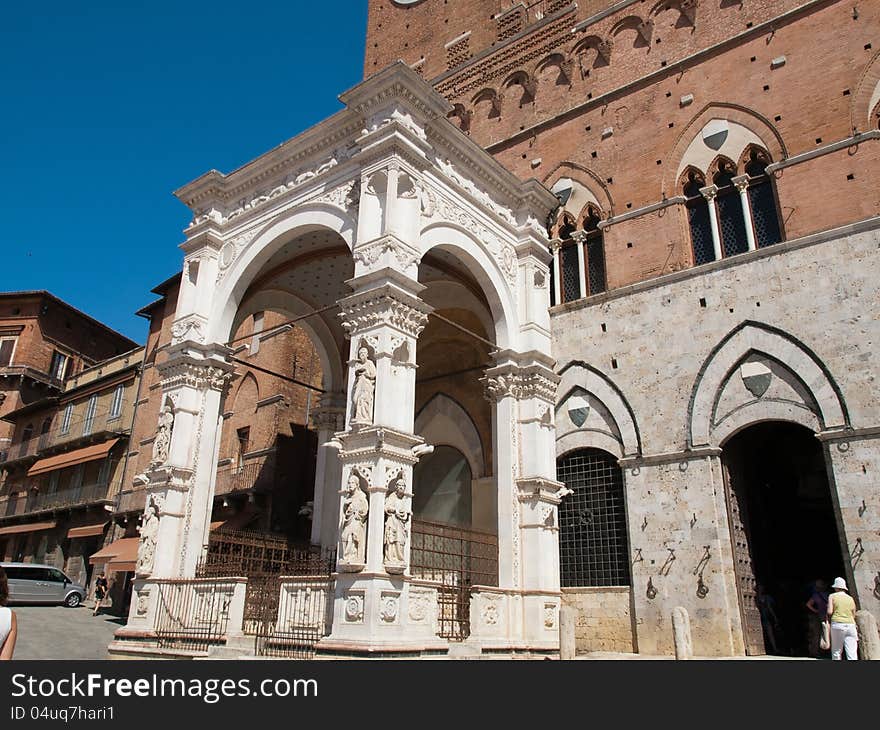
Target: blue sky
x: 105, y: 110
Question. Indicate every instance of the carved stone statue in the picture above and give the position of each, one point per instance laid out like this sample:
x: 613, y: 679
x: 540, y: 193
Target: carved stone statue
x: 149, y: 532
x: 162, y: 442
x: 397, y: 514
x: 354, y: 517
x: 364, y: 388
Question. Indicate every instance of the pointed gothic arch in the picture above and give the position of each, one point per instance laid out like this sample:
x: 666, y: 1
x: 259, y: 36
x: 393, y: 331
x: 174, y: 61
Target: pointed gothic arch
x: 778, y: 345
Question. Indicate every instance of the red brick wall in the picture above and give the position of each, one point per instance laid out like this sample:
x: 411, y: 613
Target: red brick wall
x: 638, y: 92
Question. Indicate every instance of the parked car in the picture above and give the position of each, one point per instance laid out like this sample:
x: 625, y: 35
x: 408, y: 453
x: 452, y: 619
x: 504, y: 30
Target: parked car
x: 31, y: 583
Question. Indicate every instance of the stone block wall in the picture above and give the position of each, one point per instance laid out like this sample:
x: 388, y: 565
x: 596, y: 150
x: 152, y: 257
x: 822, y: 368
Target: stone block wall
x: 604, y: 619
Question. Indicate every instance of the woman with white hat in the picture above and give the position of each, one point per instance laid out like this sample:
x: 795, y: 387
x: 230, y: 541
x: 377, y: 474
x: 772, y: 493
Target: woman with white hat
x: 842, y: 614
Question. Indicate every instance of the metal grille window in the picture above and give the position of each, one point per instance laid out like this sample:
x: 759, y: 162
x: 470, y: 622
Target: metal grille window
x: 571, y: 283
x: 764, y: 214
x: 731, y: 222
x: 698, y: 221
x: 593, y: 546
x: 595, y: 250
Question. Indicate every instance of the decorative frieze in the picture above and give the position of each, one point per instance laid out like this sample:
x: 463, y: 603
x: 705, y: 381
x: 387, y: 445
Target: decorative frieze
x: 521, y: 383
x: 384, y: 305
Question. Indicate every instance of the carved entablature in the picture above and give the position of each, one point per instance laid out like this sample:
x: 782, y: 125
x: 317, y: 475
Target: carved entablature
x: 384, y: 305
x: 520, y: 382
x: 181, y: 371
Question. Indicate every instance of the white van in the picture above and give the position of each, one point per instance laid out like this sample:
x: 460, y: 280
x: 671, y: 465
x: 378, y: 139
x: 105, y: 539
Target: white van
x: 31, y: 583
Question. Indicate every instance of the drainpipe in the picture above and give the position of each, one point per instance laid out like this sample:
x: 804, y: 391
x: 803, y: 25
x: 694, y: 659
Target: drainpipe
x: 141, y: 370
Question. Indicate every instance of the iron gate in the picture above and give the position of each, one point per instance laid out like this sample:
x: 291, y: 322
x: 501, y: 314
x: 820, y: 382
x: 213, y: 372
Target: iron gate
x: 457, y: 559
x: 289, y: 589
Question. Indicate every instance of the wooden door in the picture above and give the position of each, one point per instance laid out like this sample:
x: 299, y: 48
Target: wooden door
x: 753, y: 633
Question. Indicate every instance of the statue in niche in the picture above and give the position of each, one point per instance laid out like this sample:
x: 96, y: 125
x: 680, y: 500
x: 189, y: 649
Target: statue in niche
x: 364, y: 388
x: 397, y: 514
x: 162, y: 442
x: 354, y: 518
x: 149, y: 532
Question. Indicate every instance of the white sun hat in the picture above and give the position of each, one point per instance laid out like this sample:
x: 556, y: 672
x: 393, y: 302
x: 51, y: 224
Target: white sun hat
x: 839, y: 583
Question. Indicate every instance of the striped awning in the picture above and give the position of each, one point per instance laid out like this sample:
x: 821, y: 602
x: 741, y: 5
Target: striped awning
x: 71, y: 458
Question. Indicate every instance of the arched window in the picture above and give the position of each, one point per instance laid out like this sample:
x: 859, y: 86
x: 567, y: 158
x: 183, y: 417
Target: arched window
x: 731, y: 223
x: 570, y: 284
x: 698, y: 219
x: 581, y: 257
x: 442, y: 487
x: 594, y: 246
x: 762, y: 200
x: 593, y: 544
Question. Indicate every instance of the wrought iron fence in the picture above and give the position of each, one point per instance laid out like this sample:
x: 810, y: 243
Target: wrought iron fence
x: 288, y: 616
x: 289, y: 589
x: 249, y: 553
x: 193, y: 614
x: 457, y: 559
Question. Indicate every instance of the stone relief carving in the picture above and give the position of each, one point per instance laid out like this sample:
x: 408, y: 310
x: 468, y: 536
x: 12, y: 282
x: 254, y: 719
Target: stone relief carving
x: 436, y: 205
x: 420, y: 602
x: 187, y: 329
x: 355, y: 508
x: 401, y: 116
x: 162, y: 442
x: 397, y: 519
x: 369, y: 255
x: 149, y: 532
x: 143, y: 603
x: 489, y: 613
x: 354, y: 608
x: 364, y: 371
x: 549, y: 615
x: 382, y: 308
x: 389, y: 607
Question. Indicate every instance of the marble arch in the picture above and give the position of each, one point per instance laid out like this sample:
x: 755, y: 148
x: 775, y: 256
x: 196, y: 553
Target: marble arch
x: 391, y: 179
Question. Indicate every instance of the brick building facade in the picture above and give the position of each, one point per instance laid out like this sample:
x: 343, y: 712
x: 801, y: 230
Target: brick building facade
x: 716, y: 165
x: 70, y: 385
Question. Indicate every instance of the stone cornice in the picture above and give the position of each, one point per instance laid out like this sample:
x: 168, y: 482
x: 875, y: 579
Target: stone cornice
x: 387, y: 300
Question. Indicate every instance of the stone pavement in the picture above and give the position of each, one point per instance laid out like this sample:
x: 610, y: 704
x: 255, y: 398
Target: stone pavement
x: 57, y: 632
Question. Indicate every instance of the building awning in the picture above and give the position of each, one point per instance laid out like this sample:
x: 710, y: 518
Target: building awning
x: 71, y: 458
x: 120, y: 555
x: 87, y: 530
x: 29, y: 527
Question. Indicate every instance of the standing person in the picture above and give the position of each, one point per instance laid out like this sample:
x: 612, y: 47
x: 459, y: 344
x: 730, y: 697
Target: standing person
x: 8, y: 624
x: 100, y: 591
x: 817, y: 605
x: 769, y: 620
x: 842, y: 613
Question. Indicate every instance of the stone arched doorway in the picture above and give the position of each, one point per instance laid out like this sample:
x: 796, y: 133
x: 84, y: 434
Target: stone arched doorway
x: 784, y: 533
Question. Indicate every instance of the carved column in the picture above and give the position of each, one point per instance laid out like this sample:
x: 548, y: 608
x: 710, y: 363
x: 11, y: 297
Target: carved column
x: 523, y: 390
x: 580, y: 240
x: 555, y: 245
x: 327, y: 419
x: 383, y: 317
x: 742, y: 185
x: 710, y: 193
x: 180, y: 484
